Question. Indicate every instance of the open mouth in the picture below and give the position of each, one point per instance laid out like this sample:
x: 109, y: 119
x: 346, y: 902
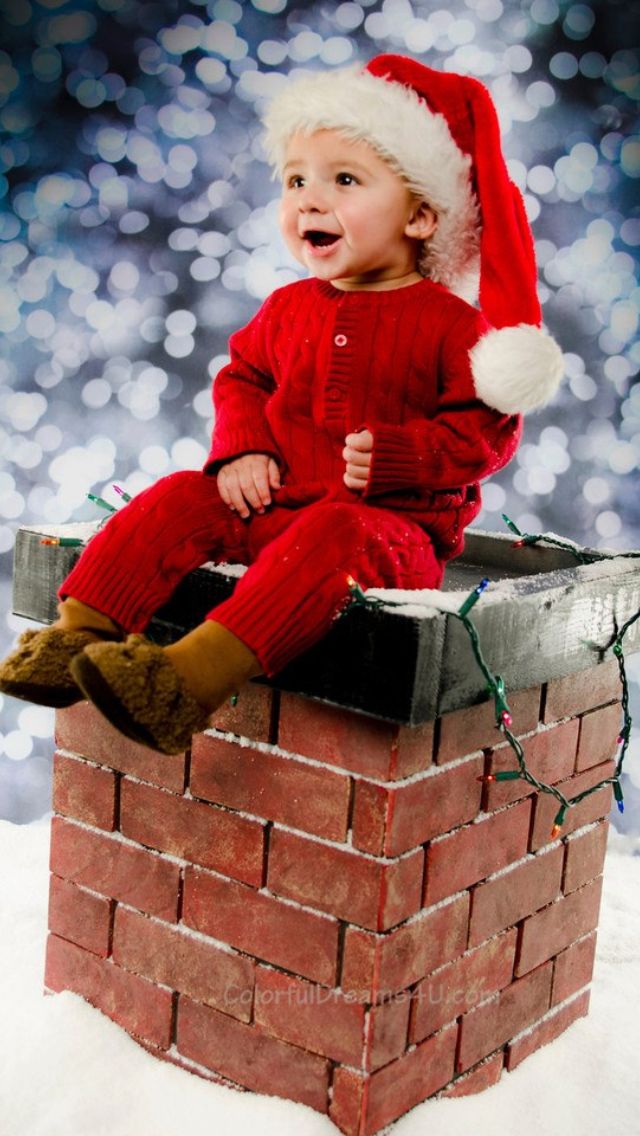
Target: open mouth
x: 318, y: 239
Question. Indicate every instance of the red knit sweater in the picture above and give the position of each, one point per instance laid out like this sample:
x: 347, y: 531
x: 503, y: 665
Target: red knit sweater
x: 316, y: 363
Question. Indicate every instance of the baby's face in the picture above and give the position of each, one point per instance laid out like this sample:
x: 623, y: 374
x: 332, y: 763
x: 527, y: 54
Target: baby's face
x: 347, y: 216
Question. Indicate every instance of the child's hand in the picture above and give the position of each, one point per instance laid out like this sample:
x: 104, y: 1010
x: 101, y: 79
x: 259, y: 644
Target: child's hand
x: 357, y: 454
x: 247, y: 481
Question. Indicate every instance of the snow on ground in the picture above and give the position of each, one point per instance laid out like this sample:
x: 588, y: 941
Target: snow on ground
x: 66, y: 1070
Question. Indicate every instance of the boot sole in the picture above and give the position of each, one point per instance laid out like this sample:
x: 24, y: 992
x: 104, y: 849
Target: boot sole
x: 94, y: 687
x: 42, y: 695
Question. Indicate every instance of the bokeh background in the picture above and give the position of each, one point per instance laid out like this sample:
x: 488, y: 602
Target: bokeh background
x: 139, y: 228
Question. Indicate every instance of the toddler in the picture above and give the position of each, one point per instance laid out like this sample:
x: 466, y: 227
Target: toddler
x: 359, y: 411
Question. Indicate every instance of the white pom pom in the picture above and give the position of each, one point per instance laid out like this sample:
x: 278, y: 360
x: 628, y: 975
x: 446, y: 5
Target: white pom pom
x: 516, y: 369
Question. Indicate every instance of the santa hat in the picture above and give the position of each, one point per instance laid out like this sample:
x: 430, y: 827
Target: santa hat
x: 440, y: 132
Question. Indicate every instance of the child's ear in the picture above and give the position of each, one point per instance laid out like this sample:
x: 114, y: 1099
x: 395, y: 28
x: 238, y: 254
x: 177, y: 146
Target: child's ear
x: 422, y: 223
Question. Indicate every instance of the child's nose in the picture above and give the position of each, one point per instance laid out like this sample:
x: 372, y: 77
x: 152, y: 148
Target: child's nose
x: 312, y: 200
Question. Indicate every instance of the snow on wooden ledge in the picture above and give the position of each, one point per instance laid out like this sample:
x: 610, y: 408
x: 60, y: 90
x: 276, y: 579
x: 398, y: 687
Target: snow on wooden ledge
x: 543, y: 616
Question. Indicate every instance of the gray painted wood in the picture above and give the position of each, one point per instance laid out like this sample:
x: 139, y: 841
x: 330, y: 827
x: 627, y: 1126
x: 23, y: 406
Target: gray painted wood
x: 543, y: 616
x: 543, y: 627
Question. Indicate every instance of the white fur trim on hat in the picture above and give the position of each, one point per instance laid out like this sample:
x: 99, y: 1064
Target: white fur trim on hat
x: 516, y: 369
x: 415, y: 141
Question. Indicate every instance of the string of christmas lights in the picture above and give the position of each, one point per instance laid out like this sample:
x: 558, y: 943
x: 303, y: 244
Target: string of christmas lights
x: 73, y: 542
x: 495, y: 686
x: 62, y: 541
x: 102, y: 503
x: 583, y: 556
x: 590, y: 557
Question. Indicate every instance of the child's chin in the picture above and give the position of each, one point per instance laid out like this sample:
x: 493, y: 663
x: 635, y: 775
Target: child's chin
x: 322, y: 271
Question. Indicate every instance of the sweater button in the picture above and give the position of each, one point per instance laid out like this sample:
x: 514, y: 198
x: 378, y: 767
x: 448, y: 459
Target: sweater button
x: 333, y: 394
x: 340, y: 340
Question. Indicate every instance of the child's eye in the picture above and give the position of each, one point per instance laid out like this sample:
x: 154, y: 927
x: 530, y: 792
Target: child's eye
x: 296, y: 181
x: 346, y: 179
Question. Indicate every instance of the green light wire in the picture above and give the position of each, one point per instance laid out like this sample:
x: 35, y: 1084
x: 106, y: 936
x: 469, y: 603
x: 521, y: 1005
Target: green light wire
x: 496, y: 687
x: 591, y: 557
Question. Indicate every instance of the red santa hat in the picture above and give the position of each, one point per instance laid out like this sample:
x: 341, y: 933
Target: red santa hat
x: 440, y: 132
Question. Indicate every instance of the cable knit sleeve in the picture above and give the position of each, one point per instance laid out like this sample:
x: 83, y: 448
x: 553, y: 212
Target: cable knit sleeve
x: 241, y: 391
x: 460, y: 443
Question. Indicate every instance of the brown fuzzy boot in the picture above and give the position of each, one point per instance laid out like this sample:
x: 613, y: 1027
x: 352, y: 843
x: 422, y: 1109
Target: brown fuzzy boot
x: 137, y: 688
x: 38, y: 669
x: 161, y: 696
x: 213, y: 662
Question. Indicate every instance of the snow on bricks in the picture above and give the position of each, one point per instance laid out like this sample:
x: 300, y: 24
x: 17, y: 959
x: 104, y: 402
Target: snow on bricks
x: 325, y: 906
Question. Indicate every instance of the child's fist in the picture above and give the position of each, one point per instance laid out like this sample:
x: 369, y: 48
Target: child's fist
x: 357, y: 455
x: 247, y: 481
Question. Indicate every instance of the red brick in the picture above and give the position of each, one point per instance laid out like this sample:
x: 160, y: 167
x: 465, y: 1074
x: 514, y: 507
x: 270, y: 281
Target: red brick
x: 556, y: 926
x: 361, y: 1104
x: 377, y: 966
x: 339, y: 737
x: 573, y: 968
x: 295, y: 793
x: 314, y: 1017
x: 388, y: 1026
x: 413, y: 748
x: 487, y: 1027
x: 246, y: 1054
x: 83, y: 791
x: 135, y: 1004
x: 80, y: 916
x: 114, y: 868
x: 360, y: 963
x: 514, y: 894
x: 251, y: 715
x: 581, y: 691
x: 348, y: 1100
x: 599, y: 731
x: 441, y: 800
x: 262, y: 925
x: 172, y: 1057
x: 475, y: 851
x: 344, y: 882
x: 585, y: 856
x: 174, y: 957
x: 481, y: 1077
x: 83, y: 730
x: 456, y: 987
x: 474, y: 728
x: 404, y: 1083
x: 592, y: 808
x: 371, y: 807
x: 193, y: 831
x: 391, y: 820
x: 547, y: 1030
x: 550, y: 755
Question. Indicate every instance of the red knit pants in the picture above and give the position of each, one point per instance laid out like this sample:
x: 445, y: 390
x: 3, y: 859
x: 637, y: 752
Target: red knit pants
x: 299, y: 561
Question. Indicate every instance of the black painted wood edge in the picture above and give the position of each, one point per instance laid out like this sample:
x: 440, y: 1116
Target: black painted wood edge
x: 544, y: 622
